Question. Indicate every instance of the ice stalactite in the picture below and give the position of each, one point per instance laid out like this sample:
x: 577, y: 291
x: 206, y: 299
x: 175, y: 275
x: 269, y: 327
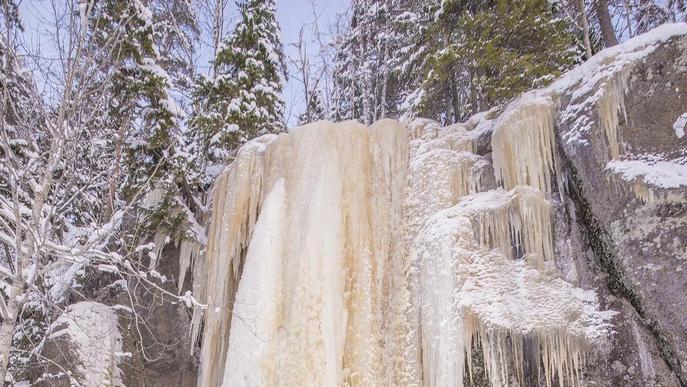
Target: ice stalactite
x: 471, y: 293
x: 611, y: 105
x: 464, y: 249
x: 235, y: 206
x: 523, y: 143
x: 518, y: 222
x: 371, y: 256
x: 189, y: 251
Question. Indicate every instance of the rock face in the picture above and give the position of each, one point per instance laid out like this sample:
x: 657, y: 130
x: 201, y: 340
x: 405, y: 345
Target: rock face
x: 85, y: 346
x: 630, y: 209
x: 569, y: 204
x: 100, y: 343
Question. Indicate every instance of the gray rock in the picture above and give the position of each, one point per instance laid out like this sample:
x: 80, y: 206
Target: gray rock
x: 632, y: 248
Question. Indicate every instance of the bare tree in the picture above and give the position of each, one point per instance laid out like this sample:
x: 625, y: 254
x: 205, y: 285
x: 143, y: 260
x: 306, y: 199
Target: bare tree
x: 311, y: 66
x: 47, y: 175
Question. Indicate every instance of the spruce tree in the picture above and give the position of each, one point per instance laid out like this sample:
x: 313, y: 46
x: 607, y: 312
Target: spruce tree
x: 243, y: 100
x: 143, y: 114
x: 487, y: 52
x: 446, y: 59
x: 366, y: 82
x: 176, y: 30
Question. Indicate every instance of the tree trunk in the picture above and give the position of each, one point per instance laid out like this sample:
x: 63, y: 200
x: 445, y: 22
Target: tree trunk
x: 7, y: 327
x: 606, y: 23
x: 454, y: 99
x: 585, y: 28
x: 628, y: 18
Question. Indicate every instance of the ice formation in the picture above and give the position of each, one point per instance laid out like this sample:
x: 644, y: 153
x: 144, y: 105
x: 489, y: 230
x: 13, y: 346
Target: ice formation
x: 518, y: 222
x: 374, y: 256
x: 645, y: 177
x: 523, y: 143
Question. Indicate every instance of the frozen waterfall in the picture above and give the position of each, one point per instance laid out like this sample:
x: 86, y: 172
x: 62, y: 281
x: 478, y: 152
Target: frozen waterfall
x: 392, y: 255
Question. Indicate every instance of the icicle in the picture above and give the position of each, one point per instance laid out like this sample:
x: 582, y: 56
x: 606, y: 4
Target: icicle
x: 361, y: 269
x: 468, y: 293
x: 541, y: 312
x: 188, y: 252
x: 523, y: 144
x: 159, y: 240
x: 610, y: 105
x: 517, y: 222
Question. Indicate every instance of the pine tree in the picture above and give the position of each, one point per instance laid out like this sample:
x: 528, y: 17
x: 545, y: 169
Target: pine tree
x: 143, y: 114
x: 446, y: 59
x: 365, y: 80
x: 243, y: 100
x: 175, y: 33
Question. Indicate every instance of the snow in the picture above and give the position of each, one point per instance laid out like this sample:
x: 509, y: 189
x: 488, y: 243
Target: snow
x: 600, y: 83
x: 92, y: 330
x: 679, y: 125
x: 61, y: 279
x: 616, y: 57
x: 661, y: 174
x: 171, y: 106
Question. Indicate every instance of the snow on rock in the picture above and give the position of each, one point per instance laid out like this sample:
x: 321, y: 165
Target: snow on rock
x: 661, y: 173
x: 92, y: 334
x: 600, y: 84
x: 680, y: 125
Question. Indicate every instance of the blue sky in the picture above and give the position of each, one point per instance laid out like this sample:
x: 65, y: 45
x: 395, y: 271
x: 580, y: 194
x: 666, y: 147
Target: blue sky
x: 292, y: 14
x: 36, y: 16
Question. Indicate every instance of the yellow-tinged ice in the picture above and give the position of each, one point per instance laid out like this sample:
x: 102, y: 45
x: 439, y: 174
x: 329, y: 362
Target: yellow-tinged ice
x: 371, y: 256
x: 523, y: 144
